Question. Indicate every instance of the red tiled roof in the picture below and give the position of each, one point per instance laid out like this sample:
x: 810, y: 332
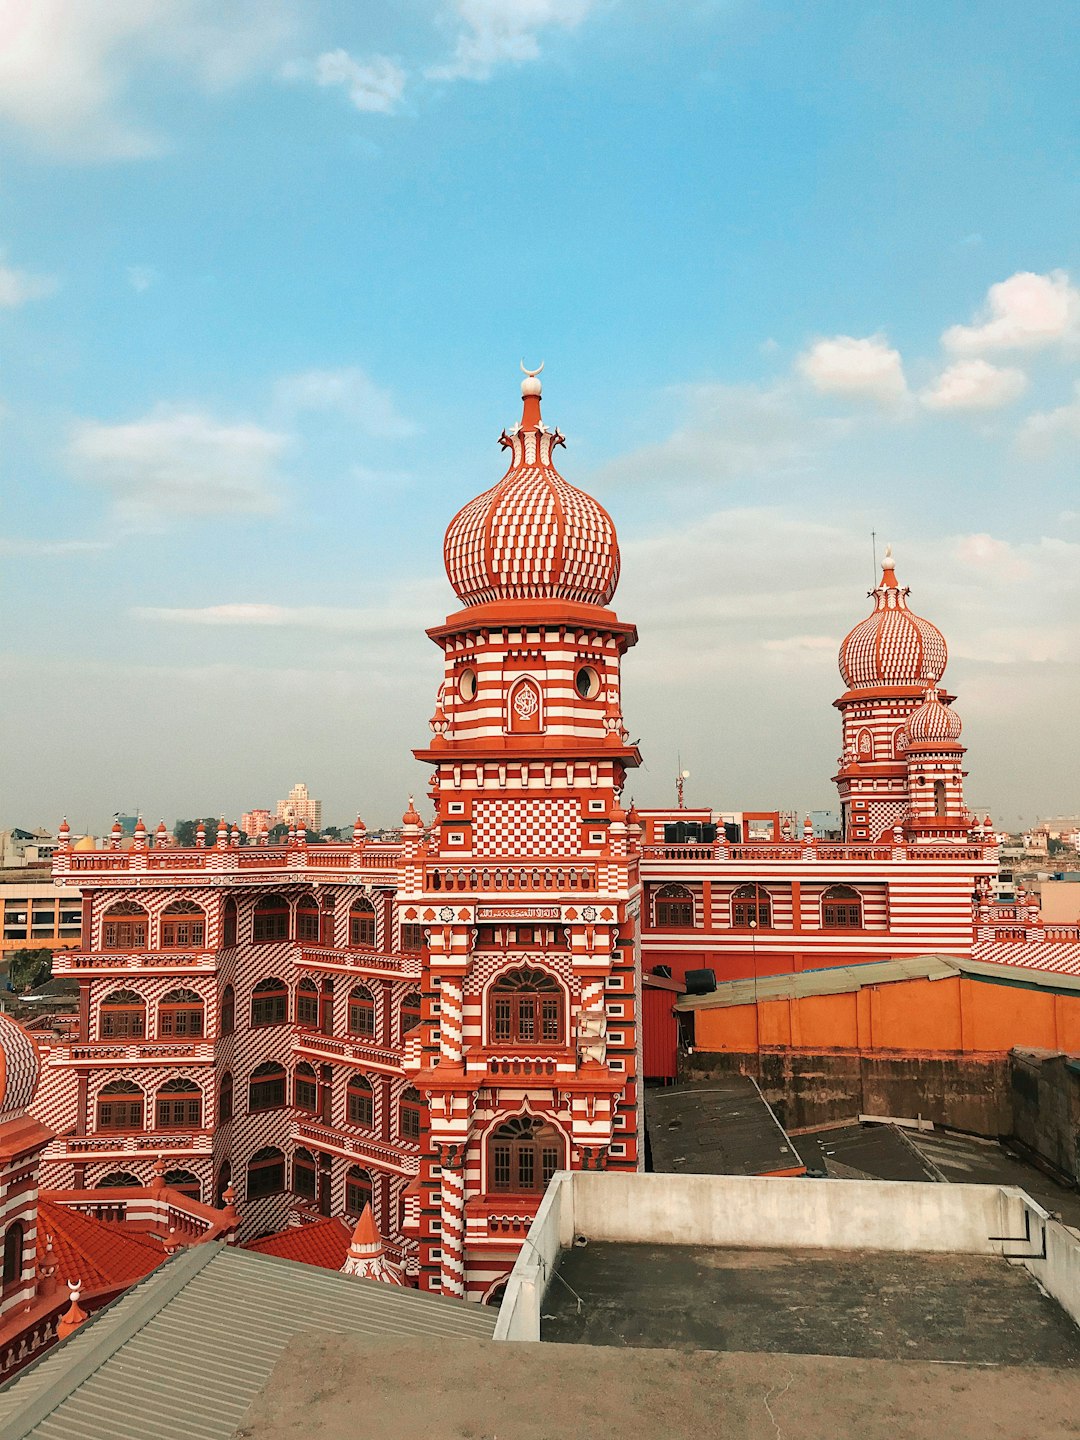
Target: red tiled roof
x: 324, y: 1243
x: 103, y: 1255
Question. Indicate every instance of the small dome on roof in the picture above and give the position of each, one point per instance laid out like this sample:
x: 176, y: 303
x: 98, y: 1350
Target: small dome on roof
x: 932, y: 721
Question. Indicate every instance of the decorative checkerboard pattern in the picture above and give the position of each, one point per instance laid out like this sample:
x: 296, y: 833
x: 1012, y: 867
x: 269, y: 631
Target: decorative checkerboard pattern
x: 526, y: 827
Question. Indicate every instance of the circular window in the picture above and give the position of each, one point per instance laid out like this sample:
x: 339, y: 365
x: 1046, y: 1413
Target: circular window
x: 467, y: 684
x: 587, y: 682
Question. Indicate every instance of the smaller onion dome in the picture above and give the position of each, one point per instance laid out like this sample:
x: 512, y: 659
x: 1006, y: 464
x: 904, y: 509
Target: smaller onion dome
x: 932, y: 722
x: 19, y: 1067
x: 893, y: 646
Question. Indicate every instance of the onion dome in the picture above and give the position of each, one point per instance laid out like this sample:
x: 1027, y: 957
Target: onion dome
x: 533, y: 536
x: 932, y: 722
x: 19, y: 1068
x: 893, y: 646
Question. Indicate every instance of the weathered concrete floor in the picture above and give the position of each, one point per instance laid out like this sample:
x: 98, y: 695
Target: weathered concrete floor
x: 337, y: 1388
x: 959, y: 1308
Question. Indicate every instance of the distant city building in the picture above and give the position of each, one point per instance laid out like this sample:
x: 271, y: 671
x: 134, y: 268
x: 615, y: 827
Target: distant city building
x: 301, y: 808
x: 127, y: 825
x: 826, y: 824
x: 253, y: 822
x: 37, y: 915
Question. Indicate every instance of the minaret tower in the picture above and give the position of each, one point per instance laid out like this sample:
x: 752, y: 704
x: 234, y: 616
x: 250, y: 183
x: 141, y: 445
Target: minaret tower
x: 527, y: 884
x: 888, y: 663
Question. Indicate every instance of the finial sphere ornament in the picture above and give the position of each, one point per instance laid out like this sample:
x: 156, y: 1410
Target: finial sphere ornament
x: 531, y: 384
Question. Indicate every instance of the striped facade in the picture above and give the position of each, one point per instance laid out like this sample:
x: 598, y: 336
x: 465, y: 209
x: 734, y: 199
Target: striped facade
x: 479, y: 1023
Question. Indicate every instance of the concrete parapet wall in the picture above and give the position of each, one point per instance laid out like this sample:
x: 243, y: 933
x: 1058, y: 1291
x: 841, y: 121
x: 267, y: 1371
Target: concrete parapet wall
x: 808, y: 1087
x: 762, y: 1213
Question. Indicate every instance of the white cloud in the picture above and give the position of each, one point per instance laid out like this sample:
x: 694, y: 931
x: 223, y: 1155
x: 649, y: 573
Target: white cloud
x: 974, y: 385
x: 141, y: 277
x: 51, y: 547
x: 499, y: 32
x: 19, y: 286
x: 1047, y: 429
x: 66, y: 65
x: 1024, y: 312
x: 177, y: 464
x: 375, y: 85
x: 727, y: 432
x: 349, y: 392
x: 375, y: 621
x: 867, y: 368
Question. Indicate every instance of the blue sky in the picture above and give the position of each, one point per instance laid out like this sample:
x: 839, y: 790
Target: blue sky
x: 798, y: 273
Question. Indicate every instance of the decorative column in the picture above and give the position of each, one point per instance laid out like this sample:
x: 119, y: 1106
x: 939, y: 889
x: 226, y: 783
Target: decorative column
x: 452, y: 1190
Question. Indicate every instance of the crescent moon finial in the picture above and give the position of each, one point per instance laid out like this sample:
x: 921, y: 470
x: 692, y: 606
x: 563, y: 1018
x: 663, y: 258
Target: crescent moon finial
x: 531, y: 373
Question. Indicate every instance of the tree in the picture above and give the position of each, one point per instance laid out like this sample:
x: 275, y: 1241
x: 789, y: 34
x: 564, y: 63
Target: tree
x: 29, y: 968
x: 184, y: 831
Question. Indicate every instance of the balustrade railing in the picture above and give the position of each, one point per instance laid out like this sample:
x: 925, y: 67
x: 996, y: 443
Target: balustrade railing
x: 522, y: 875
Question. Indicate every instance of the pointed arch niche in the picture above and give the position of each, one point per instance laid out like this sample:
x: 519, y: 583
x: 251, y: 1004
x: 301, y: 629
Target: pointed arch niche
x: 524, y: 707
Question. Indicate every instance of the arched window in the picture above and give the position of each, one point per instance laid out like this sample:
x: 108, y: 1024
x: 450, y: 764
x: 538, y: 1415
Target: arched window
x: 308, y: 919
x: 265, y: 1173
x: 358, y: 1190
x: 179, y: 1105
x: 118, y: 1180
x: 180, y: 1013
x: 523, y: 1155
x: 228, y: 923
x: 185, y: 1182
x: 222, y: 1183
x: 13, y: 1254
x: 183, y: 926
x: 751, y: 905
x: 864, y: 746
x: 409, y: 1109
x: 305, y: 1088
x: 123, y: 1016
x: 225, y: 1098
x: 941, y: 804
x: 307, y: 1004
x: 360, y: 1102
x: 269, y: 1003
x: 526, y: 1008
x: 362, y: 923
x: 412, y: 937
x: 674, y: 907
x: 266, y: 1088
x: 228, y: 1010
x: 410, y: 1012
x: 120, y: 1106
x: 271, y: 919
x: 361, y: 1011
x: 303, y: 1171
x: 124, y: 927
x: 841, y: 908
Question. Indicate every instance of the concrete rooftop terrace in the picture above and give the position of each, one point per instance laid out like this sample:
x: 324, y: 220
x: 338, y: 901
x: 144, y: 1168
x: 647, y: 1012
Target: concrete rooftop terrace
x: 967, y: 1309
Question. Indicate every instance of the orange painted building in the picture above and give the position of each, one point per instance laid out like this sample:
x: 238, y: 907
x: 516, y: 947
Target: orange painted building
x: 954, y: 1009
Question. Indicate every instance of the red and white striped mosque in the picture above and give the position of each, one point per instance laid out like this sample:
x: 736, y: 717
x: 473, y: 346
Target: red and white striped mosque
x: 287, y: 1035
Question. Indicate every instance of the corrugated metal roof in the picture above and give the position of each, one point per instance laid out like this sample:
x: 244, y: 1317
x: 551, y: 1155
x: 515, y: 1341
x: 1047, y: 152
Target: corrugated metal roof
x: 842, y: 979
x: 184, y: 1352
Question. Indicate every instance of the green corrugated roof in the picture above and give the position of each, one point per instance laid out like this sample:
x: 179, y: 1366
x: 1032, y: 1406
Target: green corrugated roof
x: 184, y: 1352
x: 843, y: 979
